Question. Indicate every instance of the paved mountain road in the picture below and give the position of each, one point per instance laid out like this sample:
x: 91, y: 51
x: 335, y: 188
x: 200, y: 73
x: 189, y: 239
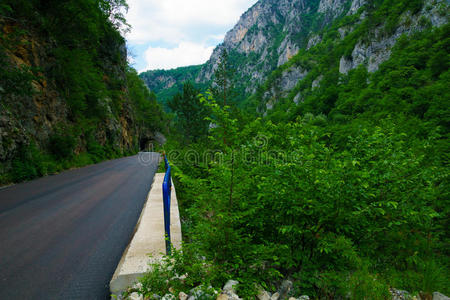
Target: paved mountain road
x: 62, y: 236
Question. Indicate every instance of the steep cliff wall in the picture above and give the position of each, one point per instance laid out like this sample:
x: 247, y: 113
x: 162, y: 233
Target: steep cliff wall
x: 269, y: 34
x: 65, y: 91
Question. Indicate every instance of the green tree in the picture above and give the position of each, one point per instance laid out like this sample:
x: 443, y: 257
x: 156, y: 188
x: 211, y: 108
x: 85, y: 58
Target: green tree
x: 223, y: 85
x: 190, y: 113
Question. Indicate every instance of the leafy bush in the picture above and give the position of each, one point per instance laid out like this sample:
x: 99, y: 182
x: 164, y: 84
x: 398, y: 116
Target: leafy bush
x: 181, y: 271
x: 61, y: 146
x: 28, y: 164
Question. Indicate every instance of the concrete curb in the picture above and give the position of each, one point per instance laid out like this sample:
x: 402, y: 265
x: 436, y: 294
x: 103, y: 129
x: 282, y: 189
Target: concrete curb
x: 147, y: 244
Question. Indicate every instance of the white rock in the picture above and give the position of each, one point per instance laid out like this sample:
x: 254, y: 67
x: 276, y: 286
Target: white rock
x: 233, y: 296
x: 290, y: 78
x: 285, y: 288
x: 263, y: 295
x: 168, y: 297
x: 275, y: 296
x: 399, y: 294
x: 356, y: 4
x: 223, y: 297
x: 297, y: 98
x: 135, y: 296
x: 439, y: 296
x: 182, y: 296
x: 303, y: 297
x: 313, y: 40
x: 316, y: 82
x: 345, y: 65
x: 230, y: 286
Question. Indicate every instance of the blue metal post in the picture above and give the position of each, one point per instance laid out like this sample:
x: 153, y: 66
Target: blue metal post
x: 167, y: 187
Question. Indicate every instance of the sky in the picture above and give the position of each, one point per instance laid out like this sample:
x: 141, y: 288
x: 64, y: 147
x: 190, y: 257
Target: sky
x: 167, y: 34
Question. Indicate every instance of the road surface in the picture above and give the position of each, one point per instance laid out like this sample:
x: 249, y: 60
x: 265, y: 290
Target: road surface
x: 62, y: 236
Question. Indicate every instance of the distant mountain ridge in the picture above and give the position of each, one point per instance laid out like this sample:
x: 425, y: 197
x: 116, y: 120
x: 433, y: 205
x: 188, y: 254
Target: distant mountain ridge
x: 166, y: 83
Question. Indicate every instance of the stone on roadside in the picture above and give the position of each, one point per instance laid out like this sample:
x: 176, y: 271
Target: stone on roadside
x: 223, y: 297
x: 439, y: 296
x: 230, y: 286
x: 399, y: 294
x: 135, y: 296
x: 263, y: 295
x: 168, y: 297
x: 292, y: 298
x: 199, y: 293
x: 182, y: 296
x: 196, y: 293
x: 285, y: 288
x: 233, y: 296
x: 275, y: 296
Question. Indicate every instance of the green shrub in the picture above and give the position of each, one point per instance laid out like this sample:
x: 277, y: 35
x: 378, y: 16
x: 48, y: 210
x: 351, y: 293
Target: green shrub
x: 28, y: 164
x: 61, y: 146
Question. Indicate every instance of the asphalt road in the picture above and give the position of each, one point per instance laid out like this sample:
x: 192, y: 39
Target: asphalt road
x: 62, y: 236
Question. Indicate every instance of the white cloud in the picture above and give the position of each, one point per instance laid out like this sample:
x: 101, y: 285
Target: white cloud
x: 179, y: 32
x: 172, y: 20
x: 185, y: 54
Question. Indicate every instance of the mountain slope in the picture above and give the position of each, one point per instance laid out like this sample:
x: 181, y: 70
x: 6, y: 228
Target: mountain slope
x: 166, y: 83
x: 364, y: 39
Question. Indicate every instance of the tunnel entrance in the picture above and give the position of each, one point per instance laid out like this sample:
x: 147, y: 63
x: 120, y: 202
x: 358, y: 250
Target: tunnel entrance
x: 146, y: 144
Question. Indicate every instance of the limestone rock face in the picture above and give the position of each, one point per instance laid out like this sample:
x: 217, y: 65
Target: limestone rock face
x: 255, y: 40
x: 378, y: 49
x: 356, y: 5
x: 334, y: 7
x: 369, y: 53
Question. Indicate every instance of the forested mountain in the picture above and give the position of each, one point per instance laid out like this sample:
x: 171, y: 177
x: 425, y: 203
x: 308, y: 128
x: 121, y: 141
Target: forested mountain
x: 324, y: 156
x: 166, y: 83
x: 67, y: 95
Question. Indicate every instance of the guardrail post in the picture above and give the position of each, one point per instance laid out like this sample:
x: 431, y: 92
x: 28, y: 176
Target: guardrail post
x: 167, y: 187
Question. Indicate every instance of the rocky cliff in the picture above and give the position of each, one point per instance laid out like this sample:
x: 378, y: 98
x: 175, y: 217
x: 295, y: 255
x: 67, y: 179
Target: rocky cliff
x: 65, y: 92
x: 271, y: 33
x: 361, y: 37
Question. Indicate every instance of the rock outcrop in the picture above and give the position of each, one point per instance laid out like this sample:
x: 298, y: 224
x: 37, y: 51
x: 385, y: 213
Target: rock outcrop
x: 267, y: 36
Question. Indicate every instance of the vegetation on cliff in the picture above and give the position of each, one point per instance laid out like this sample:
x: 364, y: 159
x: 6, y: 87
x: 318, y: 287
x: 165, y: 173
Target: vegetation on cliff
x: 166, y: 83
x: 68, y: 97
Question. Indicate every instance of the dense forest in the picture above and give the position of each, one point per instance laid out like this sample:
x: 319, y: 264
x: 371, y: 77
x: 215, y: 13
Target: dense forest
x: 344, y: 191
x: 68, y: 96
